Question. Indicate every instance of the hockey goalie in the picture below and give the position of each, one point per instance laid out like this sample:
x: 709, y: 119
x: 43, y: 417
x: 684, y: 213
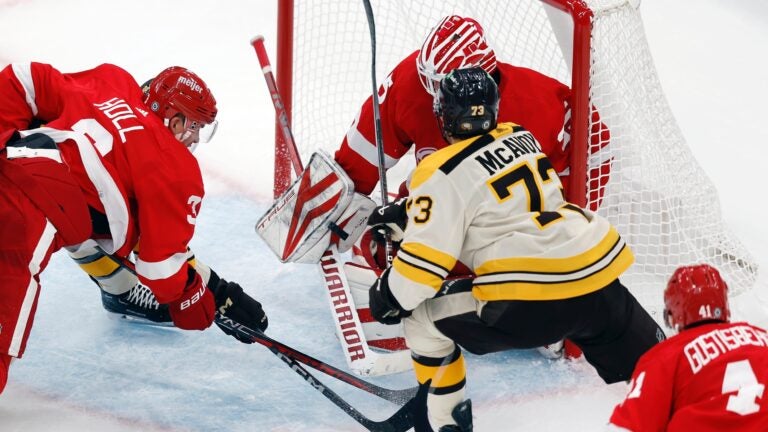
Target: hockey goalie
x: 318, y: 218
x: 324, y: 207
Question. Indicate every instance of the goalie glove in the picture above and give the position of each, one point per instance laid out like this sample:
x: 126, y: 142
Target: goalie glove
x: 390, y: 219
x: 384, y: 306
x: 235, y: 304
x: 320, y: 208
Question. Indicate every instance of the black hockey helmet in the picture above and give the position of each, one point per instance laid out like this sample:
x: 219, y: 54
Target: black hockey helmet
x: 467, y: 103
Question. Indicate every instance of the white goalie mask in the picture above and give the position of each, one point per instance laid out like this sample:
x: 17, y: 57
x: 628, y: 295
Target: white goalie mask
x: 456, y: 42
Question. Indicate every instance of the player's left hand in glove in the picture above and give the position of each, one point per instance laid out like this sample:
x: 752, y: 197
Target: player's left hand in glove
x: 384, y: 306
x: 235, y: 304
x: 390, y: 219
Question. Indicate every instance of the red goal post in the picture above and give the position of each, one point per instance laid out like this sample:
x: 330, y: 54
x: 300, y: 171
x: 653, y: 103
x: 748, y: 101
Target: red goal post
x: 657, y: 195
x: 581, y: 15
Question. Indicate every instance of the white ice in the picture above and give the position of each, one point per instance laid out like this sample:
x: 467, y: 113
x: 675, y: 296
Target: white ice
x: 83, y: 371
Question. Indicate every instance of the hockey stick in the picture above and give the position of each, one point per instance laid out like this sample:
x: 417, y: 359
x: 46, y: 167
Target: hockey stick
x: 282, y: 116
x: 400, y: 421
x: 358, y: 355
x: 399, y: 397
x: 388, y: 250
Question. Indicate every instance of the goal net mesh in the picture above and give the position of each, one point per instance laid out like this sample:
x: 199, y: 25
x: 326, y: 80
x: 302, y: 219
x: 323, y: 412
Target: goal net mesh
x: 657, y: 195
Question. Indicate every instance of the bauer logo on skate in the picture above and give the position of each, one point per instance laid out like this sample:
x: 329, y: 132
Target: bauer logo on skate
x: 341, y: 307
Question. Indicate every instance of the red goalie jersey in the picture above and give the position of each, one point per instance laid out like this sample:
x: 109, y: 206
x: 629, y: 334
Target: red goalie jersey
x: 707, y: 378
x: 133, y: 172
x: 526, y: 97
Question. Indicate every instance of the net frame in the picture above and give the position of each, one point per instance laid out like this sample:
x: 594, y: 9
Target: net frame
x: 658, y: 197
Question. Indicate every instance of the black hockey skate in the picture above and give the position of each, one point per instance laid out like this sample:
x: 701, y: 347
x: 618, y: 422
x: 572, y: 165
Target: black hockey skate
x: 462, y: 415
x: 138, y: 305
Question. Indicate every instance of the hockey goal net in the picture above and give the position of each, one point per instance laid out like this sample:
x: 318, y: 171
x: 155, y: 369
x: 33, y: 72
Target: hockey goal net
x: 657, y: 195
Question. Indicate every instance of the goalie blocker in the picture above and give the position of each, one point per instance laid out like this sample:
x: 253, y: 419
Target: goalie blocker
x: 320, y: 209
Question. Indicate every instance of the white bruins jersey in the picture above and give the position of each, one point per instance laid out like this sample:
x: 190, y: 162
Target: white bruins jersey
x: 495, y: 203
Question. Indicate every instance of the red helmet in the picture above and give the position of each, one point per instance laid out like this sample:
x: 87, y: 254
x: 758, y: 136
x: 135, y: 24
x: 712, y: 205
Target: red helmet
x: 456, y: 42
x: 695, y: 293
x: 177, y: 90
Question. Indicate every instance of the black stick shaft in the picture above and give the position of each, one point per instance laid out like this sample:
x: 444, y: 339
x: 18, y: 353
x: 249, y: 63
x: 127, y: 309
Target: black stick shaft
x: 377, y: 125
x: 401, y: 421
x: 399, y: 397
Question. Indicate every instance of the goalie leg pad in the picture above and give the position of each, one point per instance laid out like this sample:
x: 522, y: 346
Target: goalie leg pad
x: 385, y: 337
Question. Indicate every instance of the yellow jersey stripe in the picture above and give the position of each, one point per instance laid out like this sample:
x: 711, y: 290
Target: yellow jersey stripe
x: 517, y: 290
x: 429, y: 255
x: 545, y: 265
x: 417, y: 274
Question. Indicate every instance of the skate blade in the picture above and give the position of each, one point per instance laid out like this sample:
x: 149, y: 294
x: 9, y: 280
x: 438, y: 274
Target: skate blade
x: 137, y: 320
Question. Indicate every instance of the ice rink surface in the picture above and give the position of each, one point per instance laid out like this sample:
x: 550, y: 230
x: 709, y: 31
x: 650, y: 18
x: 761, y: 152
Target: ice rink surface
x: 84, y: 371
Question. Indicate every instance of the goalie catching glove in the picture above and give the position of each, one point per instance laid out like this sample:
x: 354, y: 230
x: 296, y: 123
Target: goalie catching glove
x: 384, y: 306
x: 319, y: 209
x: 235, y: 304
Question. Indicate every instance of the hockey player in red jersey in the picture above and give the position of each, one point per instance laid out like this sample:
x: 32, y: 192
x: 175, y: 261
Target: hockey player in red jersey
x: 406, y: 98
x: 109, y: 166
x: 709, y: 377
x: 545, y: 268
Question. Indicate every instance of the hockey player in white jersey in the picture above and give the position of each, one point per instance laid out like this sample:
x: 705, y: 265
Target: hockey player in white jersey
x: 546, y: 269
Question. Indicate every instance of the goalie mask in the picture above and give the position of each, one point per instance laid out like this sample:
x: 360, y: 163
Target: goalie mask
x: 455, y: 42
x: 177, y: 90
x: 695, y: 293
x: 467, y: 103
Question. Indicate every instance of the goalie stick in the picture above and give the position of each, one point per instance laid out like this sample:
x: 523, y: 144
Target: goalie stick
x: 377, y: 126
x: 358, y: 355
x: 414, y: 411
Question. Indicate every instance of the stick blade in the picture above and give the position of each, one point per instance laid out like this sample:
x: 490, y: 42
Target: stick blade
x: 412, y: 415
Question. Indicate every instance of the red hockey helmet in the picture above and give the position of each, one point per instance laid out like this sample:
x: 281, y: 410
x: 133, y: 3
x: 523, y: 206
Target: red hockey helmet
x: 695, y: 293
x: 177, y: 90
x: 456, y: 42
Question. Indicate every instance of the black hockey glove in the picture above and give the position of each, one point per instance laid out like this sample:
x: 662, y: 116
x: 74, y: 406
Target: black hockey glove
x: 391, y: 218
x: 384, y: 306
x: 241, y: 308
